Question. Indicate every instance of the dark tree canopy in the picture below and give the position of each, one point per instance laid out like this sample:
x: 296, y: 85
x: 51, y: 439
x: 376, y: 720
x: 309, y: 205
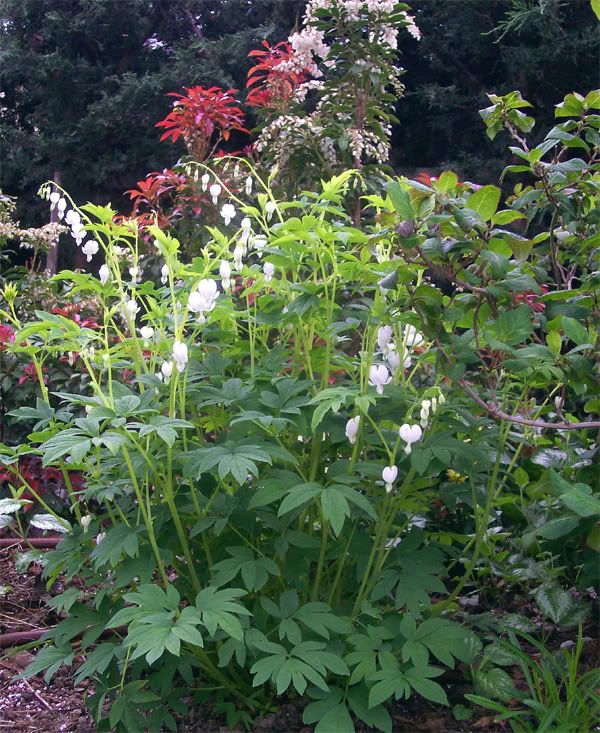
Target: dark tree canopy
x: 84, y: 81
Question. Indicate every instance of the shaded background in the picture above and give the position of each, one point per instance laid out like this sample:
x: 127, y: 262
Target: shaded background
x: 84, y: 81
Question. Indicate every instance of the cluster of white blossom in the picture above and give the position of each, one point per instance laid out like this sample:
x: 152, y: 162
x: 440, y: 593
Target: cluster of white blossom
x: 287, y: 133
x: 72, y: 219
x: 366, y: 144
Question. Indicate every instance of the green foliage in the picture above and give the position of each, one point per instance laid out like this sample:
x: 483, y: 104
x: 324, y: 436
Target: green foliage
x: 295, y: 476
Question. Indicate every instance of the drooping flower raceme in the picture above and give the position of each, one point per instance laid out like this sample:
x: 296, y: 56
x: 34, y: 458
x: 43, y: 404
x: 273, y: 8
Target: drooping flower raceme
x: 89, y: 249
x: 352, y: 429
x: 228, y: 212
x: 214, y: 191
x: 410, y: 434
x: 389, y: 475
x: 269, y: 270
x: 379, y: 376
x: 202, y: 300
x: 180, y: 355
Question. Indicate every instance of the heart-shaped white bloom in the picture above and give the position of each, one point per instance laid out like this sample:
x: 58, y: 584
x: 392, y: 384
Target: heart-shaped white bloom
x: 260, y: 242
x: 166, y: 370
x: 412, y: 337
x: 54, y: 197
x: 85, y: 522
x: 384, y: 337
x: 228, y: 212
x: 410, y: 434
x: 104, y: 274
x: 62, y: 205
x: 72, y: 218
x: 131, y: 308
x: 379, y: 376
x: 180, y: 354
x: 389, y: 475
x: 164, y: 274
x: 146, y: 332
x: 269, y: 270
x: 246, y: 224
x: 270, y: 207
x: 248, y: 185
x: 238, y: 257
x: 205, y: 179
x: 352, y: 429
x: 202, y: 300
x: 214, y: 191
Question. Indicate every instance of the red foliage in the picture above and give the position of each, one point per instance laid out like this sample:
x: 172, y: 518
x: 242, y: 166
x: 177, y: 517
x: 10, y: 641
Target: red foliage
x: 531, y: 299
x: 7, y: 336
x: 200, y: 116
x: 42, y: 480
x: 274, y: 86
x: 30, y: 373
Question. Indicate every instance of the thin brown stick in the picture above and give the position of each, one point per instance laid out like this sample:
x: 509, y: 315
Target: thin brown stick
x: 494, y: 410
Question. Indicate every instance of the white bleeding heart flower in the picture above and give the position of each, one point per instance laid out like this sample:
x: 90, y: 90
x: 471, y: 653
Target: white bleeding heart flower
x: 248, y: 185
x: 225, y: 273
x: 260, y: 242
x: 146, y: 332
x: 410, y: 434
x: 412, y: 337
x: 246, y: 224
x: 54, y: 198
x: 228, y: 212
x: 270, y: 207
x: 180, y: 355
x: 238, y: 257
x: 166, y: 370
x: 131, y: 308
x: 389, y: 475
x: 214, y: 191
x: 384, y: 338
x: 62, y: 205
x: 135, y: 274
x: 72, y: 218
x: 85, y: 522
x: 104, y: 274
x: 89, y: 249
x: 100, y: 537
x: 352, y: 429
x: 379, y: 376
x: 269, y: 270
x: 202, y: 300
x: 164, y: 274
x: 205, y: 179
